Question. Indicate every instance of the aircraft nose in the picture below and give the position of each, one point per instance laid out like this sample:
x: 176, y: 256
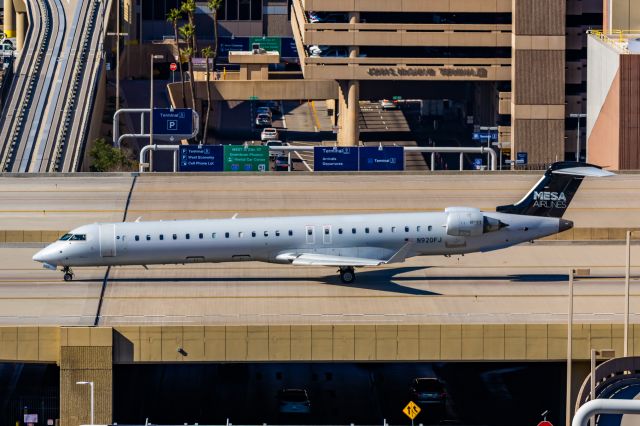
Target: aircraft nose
x: 43, y: 256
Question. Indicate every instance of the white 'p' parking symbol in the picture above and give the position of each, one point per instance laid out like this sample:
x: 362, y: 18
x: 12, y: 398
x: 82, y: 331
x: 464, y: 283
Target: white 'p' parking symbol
x: 172, y: 125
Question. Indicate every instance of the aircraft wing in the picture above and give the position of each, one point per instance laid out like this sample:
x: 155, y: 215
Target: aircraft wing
x: 318, y: 259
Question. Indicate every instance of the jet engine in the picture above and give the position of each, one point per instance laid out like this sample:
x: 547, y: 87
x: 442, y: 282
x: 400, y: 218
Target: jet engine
x: 470, y: 222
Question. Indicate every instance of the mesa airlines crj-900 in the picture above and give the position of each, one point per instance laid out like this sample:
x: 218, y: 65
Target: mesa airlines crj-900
x: 342, y: 241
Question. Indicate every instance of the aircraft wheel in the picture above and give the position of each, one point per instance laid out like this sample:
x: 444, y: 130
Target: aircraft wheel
x: 347, y: 275
x: 68, y: 276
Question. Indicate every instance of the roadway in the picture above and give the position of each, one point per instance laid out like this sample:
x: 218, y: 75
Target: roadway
x: 54, y: 86
x: 524, y: 284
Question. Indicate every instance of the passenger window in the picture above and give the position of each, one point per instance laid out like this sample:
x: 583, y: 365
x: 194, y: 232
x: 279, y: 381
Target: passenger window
x: 429, y: 228
x: 393, y: 229
x: 418, y: 228
x: 406, y: 229
x: 161, y: 237
x: 290, y: 233
x: 277, y: 233
x: 366, y: 230
x: 137, y: 237
x: 175, y: 236
x: 187, y: 236
x: 226, y: 235
x: 266, y: 233
x: 353, y: 230
x: 240, y: 234
x: 148, y: 237
x: 340, y: 231
x: 310, y: 231
x: 253, y: 233
x: 326, y: 231
x: 380, y: 230
x: 213, y: 235
x: 201, y: 235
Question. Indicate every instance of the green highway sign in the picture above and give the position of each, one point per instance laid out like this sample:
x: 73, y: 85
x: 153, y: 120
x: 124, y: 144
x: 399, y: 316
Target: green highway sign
x: 267, y: 43
x: 253, y: 98
x: 240, y: 158
x: 397, y: 98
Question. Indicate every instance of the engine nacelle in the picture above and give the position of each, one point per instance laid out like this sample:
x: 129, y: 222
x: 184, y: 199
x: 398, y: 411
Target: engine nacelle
x: 470, y: 222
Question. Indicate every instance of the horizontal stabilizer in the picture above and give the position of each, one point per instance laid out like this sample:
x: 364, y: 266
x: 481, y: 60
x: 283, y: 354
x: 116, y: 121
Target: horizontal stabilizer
x: 584, y: 171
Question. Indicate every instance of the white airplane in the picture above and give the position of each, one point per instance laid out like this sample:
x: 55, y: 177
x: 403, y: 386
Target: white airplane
x: 343, y: 241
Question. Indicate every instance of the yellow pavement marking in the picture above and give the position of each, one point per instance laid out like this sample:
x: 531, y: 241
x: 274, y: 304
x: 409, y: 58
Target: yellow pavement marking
x: 314, y: 113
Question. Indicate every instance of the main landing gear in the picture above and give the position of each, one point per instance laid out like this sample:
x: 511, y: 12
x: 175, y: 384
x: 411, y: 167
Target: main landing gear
x: 347, y: 274
x: 68, y: 273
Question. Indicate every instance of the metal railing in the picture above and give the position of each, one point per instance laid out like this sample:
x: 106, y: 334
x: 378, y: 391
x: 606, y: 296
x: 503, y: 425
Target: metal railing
x: 433, y: 150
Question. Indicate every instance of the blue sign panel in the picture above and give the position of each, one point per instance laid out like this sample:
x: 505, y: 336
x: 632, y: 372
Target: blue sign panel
x: 335, y: 159
x: 178, y: 121
x: 483, y: 136
x: 385, y: 158
x: 206, y: 158
x: 228, y: 44
x: 289, y: 49
x: 521, y: 158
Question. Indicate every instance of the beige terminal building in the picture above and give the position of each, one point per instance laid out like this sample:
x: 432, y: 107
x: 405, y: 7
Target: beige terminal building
x: 525, y: 59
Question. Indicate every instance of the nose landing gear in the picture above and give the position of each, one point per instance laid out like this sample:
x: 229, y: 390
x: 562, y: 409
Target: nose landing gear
x: 68, y: 273
x: 347, y: 274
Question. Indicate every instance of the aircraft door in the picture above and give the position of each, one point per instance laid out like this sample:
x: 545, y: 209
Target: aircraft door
x: 309, y: 232
x: 107, y: 240
x: 326, y: 234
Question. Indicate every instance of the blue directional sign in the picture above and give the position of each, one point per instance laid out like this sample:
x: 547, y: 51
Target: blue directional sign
x: 335, y: 159
x: 521, y: 158
x: 172, y: 122
x: 205, y: 158
x: 381, y: 158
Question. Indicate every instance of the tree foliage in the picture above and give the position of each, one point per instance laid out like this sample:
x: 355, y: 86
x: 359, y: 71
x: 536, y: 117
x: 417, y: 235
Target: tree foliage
x: 106, y: 158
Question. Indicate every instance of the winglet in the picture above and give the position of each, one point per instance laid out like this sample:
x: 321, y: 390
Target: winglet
x: 234, y: 216
x: 138, y: 219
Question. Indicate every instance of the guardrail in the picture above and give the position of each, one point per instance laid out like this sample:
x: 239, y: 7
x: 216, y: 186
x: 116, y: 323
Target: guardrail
x: 433, y: 150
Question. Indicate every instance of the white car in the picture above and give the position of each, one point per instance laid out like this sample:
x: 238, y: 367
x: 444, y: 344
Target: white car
x: 269, y: 134
x: 272, y: 143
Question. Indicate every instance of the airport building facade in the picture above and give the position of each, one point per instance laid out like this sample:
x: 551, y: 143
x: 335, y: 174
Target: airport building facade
x: 522, y: 61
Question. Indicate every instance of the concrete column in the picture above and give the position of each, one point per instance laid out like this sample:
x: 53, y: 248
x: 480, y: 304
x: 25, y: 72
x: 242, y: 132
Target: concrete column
x: 538, y: 80
x: 9, y: 18
x: 21, y: 29
x: 349, y: 134
x: 86, y: 355
x: 354, y: 18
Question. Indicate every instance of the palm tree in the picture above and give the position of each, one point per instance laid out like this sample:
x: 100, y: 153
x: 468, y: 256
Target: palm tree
x: 189, y: 7
x: 173, y: 16
x: 186, y: 31
x: 207, y: 53
x: 214, y: 5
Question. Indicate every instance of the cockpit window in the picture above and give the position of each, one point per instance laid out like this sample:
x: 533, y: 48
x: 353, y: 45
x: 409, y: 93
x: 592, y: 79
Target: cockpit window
x: 65, y: 237
x: 79, y: 237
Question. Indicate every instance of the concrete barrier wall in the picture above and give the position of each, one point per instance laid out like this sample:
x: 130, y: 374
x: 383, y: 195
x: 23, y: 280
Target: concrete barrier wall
x: 424, y: 342
x: 576, y: 234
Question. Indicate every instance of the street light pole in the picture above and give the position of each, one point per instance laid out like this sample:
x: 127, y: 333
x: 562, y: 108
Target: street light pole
x: 153, y: 57
x: 578, y: 116
x: 91, y: 388
x: 569, y: 349
x: 627, y: 276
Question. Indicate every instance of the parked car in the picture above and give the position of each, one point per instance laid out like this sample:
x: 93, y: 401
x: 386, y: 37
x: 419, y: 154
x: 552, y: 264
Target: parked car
x: 264, y: 110
x: 332, y: 52
x: 281, y: 163
x: 387, y: 104
x: 294, y: 401
x: 428, y: 390
x: 274, y: 142
x: 269, y: 134
x: 263, y: 120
